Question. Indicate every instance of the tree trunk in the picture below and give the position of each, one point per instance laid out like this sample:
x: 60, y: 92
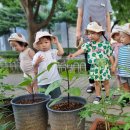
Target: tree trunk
x: 31, y: 34
x: 33, y: 26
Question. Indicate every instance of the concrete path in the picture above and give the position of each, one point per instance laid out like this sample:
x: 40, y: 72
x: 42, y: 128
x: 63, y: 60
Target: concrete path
x: 14, y: 79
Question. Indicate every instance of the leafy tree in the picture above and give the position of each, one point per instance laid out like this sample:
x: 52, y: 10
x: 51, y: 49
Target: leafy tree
x: 35, y: 13
x: 11, y: 16
x: 34, y: 21
x: 121, y: 10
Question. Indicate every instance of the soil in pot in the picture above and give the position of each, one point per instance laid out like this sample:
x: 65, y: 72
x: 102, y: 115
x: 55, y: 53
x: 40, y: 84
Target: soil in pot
x: 29, y: 101
x: 65, y: 106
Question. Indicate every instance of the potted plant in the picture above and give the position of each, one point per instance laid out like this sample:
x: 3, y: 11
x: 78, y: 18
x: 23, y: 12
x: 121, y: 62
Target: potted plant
x: 64, y: 111
x: 110, y: 120
x: 30, y: 110
x: 6, y: 113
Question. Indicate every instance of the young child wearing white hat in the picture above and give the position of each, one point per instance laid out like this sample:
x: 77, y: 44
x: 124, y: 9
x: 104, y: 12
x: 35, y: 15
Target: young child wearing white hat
x: 98, y: 51
x: 124, y: 60
x: 44, y: 57
x: 124, y: 57
x: 19, y: 43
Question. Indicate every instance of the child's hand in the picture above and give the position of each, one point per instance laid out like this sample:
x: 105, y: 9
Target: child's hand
x: 39, y: 59
x: 55, y: 40
x: 71, y: 56
x: 113, y: 69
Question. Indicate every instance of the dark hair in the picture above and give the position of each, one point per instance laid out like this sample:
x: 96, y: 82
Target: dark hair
x: 47, y: 37
x: 22, y: 43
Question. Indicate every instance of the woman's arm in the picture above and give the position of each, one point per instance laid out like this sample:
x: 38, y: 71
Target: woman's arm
x: 79, y: 23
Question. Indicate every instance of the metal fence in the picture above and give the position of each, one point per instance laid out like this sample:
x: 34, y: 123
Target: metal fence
x: 14, y: 67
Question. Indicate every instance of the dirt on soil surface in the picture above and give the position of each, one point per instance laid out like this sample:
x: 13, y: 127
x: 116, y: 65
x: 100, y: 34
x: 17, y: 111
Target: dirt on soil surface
x: 29, y: 101
x: 65, y: 106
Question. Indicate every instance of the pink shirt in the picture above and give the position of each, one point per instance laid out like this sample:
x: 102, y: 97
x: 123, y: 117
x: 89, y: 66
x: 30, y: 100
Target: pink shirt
x: 116, y: 47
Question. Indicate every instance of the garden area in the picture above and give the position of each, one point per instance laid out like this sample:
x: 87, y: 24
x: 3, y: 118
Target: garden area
x: 63, y: 104
x: 13, y: 87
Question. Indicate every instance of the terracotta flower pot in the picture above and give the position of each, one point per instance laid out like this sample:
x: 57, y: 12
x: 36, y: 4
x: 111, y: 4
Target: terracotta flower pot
x: 98, y: 121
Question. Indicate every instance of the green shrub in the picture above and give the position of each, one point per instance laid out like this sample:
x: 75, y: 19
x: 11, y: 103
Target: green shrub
x: 69, y: 50
x: 9, y: 54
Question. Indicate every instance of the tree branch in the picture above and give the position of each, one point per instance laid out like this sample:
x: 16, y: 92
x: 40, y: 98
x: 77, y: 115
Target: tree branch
x: 24, y: 5
x: 37, y: 10
x: 45, y: 22
x: 28, y: 9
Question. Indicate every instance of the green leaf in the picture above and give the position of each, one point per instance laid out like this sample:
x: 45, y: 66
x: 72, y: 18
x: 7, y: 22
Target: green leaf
x: 26, y: 82
x: 74, y: 91
x: 54, y: 101
x: 39, y: 74
x: 41, y: 90
x: 127, y: 126
x: 52, y: 87
x: 70, y: 62
x: 71, y: 74
x: 51, y: 64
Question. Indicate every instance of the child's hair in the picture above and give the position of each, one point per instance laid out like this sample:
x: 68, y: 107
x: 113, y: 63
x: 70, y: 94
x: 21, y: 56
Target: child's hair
x: 47, y: 37
x: 22, y: 43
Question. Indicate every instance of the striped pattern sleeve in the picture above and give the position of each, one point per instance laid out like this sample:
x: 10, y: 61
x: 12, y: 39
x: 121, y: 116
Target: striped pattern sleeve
x: 124, y: 61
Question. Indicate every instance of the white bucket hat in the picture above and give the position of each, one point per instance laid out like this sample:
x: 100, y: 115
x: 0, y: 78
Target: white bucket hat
x: 39, y: 35
x: 115, y: 30
x: 93, y: 26
x: 126, y: 28
x: 17, y: 37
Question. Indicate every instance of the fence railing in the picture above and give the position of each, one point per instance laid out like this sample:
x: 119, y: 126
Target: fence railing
x: 14, y: 67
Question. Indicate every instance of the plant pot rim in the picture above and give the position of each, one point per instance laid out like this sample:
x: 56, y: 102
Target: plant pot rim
x: 65, y: 97
x: 6, y: 99
x: 48, y: 97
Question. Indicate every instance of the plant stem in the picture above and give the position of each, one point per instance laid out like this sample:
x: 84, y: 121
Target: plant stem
x: 67, y: 71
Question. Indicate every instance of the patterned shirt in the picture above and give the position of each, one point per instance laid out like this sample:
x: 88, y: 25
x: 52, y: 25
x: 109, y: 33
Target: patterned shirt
x: 97, y: 51
x: 98, y: 57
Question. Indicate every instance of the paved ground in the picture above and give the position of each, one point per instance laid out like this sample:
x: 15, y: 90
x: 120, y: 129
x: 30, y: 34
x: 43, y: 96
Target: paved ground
x: 82, y: 82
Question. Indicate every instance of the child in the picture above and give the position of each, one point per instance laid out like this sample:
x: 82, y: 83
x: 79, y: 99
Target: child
x: 88, y: 11
x: 124, y: 57
x: 44, y: 57
x: 97, y: 50
x: 20, y: 44
x: 115, y: 35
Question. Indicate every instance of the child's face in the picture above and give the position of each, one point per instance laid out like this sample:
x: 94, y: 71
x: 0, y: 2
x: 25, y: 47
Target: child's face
x: 125, y: 38
x: 117, y: 37
x: 93, y: 36
x: 44, y: 44
x: 16, y: 46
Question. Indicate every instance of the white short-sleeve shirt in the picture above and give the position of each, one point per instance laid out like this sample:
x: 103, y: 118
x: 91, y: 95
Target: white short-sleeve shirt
x: 47, y: 77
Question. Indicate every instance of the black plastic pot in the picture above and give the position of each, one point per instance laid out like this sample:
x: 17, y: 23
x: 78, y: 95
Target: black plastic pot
x: 7, y: 113
x: 31, y: 116
x: 66, y: 120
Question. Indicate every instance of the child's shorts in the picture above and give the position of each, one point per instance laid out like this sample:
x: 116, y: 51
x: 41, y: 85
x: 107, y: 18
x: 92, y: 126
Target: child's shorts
x: 125, y: 80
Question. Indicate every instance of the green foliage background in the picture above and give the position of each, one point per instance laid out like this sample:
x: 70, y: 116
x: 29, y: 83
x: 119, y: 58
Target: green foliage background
x: 12, y: 15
